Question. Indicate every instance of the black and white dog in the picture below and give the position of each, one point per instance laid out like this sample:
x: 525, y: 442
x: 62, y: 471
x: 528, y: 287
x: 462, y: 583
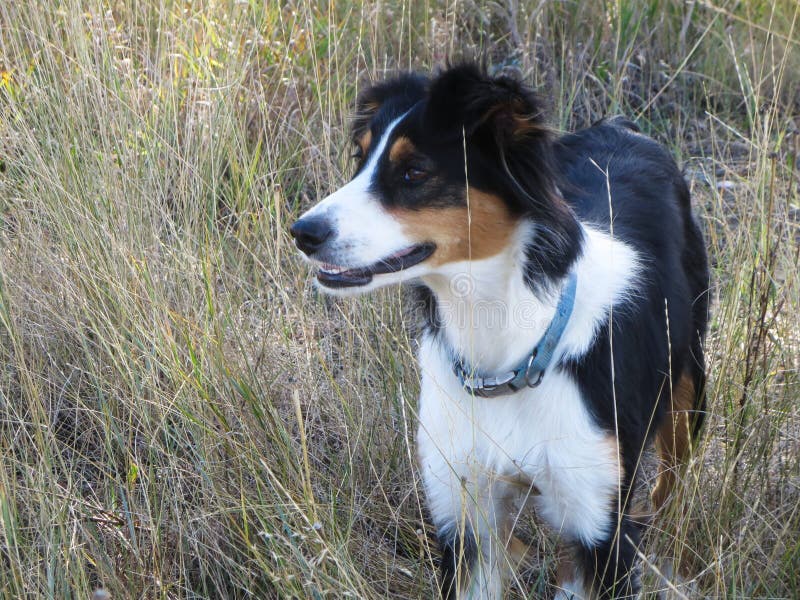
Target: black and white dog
x: 565, y: 285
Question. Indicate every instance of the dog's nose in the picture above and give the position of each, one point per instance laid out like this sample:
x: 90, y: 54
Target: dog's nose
x: 310, y: 233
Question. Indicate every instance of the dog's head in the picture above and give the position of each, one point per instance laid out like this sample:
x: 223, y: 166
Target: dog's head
x: 447, y: 169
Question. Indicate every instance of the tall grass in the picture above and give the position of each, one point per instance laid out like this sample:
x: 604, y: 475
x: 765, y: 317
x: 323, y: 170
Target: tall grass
x: 183, y: 416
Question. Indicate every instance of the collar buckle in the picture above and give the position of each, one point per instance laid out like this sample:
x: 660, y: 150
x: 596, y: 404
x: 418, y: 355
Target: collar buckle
x: 484, y: 387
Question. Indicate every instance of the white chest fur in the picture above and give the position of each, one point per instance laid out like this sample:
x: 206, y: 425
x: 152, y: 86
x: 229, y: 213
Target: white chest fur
x: 504, y: 451
x: 483, y: 459
x: 495, y: 452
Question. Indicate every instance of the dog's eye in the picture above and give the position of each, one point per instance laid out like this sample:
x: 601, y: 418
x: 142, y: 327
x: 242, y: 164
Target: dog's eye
x: 414, y: 175
x: 358, y: 153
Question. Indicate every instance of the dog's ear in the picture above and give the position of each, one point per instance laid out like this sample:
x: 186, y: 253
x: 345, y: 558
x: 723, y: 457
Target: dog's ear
x: 504, y: 120
x: 402, y: 91
x: 499, y: 109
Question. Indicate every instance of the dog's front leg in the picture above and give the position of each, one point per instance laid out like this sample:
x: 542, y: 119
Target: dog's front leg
x: 471, y: 515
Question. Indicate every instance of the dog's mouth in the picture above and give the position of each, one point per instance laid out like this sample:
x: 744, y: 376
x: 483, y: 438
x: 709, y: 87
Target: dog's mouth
x: 335, y: 276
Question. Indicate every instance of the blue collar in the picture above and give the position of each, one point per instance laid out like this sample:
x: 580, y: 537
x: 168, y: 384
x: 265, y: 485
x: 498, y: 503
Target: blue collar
x: 530, y: 372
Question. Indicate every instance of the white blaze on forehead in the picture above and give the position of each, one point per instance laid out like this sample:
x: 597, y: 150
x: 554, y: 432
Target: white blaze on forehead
x: 373, y: 160
x: 360, y: 184
x: 365, y: 232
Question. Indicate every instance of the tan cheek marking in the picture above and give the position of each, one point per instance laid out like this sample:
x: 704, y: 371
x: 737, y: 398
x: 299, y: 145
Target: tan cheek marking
x: 456, y: 238
x: 401, y: 148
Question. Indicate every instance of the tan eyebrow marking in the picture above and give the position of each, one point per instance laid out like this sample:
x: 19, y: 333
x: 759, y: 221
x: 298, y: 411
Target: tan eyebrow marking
x: 401, y: 148
x: 365, y: 141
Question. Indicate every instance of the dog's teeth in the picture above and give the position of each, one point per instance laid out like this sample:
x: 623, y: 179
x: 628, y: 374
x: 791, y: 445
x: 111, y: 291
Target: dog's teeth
x: 332, y: 269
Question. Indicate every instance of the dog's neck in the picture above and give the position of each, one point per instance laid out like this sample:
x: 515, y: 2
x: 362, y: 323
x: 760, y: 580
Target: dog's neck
x: 488, y: 314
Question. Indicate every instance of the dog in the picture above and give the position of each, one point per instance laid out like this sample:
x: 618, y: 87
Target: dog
x: 563, y: 287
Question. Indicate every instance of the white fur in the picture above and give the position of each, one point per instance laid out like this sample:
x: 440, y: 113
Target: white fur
x: 482, y: 457
x: 572, y: 590
x: 365, y: 232
x: 500, y: 306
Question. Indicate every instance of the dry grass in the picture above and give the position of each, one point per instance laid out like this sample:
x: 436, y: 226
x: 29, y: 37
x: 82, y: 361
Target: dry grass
x: 184, y: 417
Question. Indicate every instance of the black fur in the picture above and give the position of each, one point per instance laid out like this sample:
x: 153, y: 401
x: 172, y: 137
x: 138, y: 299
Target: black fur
x: 610, y: 566
x: 459, y: 554
x: 650, y: 206
x: 651, y: 212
